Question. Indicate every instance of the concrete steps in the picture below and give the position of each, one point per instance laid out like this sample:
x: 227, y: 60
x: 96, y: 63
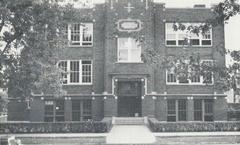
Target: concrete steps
x: 129, y: 121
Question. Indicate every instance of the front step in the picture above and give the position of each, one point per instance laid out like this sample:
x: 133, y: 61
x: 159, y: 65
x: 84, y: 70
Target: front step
x: 129, y: 121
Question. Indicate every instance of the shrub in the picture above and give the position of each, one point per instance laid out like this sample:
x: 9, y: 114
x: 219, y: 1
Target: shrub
x: 157, y: 126
x: 59, y: 127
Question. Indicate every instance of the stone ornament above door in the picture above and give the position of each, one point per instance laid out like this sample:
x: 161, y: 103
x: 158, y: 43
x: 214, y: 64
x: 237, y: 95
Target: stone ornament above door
x: 129, y: 25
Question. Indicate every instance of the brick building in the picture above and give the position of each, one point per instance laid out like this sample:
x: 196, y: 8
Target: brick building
x: 107, y: 77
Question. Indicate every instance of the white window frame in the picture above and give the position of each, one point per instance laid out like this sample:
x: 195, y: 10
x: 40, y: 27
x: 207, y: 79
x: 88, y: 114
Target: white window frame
x: 80, y: 73
x: 189, y: 80
x: 179, y: 32
x: 128, y: 50
x: 80, y: 35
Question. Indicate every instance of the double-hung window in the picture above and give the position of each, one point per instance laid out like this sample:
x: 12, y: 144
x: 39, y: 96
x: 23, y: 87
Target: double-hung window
x: 206, y: 77
x: 80, y: 34
x: 185, y: 37
x: 176, y: 110
x: 54, y: 111
x: 203, y: 109
x: 129, y: 50
x: 81, y: 110
x: 76, y: 71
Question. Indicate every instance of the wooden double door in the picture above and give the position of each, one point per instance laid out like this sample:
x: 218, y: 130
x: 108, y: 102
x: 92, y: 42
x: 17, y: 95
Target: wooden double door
x: 129, y: 98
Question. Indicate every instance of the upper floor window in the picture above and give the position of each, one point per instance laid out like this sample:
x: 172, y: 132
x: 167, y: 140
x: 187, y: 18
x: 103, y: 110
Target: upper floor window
x: 179, y: 37
x: 76, y: 71
x: 129, y: 50
x: 206, y: 77
x: 80, y: 34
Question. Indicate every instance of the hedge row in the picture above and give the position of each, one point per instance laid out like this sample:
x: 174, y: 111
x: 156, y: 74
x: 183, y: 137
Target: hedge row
x: 157, y: 126
x: 61, y: 127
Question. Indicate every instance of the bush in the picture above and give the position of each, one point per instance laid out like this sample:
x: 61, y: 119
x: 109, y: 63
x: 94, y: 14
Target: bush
x: 60, y: 127
x: 157, y: 126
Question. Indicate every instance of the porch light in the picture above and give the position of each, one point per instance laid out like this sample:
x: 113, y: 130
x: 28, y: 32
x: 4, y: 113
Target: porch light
x: 104, y: 97
x: 154, y: 97
x: 142, y: 97
x: 116, y: 97
x: 93, y: 98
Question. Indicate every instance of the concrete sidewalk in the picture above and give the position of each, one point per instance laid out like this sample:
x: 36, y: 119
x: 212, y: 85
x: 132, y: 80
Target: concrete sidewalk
x: 130, y: 134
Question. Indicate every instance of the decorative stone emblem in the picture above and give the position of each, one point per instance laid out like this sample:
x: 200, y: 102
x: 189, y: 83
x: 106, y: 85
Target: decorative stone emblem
x: 129, y: 25
x: 129, y: 7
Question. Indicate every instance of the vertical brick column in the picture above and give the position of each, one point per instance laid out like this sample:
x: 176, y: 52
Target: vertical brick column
x: 161, y: 109
x: 190, y: 110
x: 97, y: 108
x: 110, y: 106
x: 220, y: 109
x: 68, y: 110
x: 148, y: 106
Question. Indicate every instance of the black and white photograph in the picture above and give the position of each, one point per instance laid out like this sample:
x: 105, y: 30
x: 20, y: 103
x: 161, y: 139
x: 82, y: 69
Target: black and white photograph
x: 119, y: 72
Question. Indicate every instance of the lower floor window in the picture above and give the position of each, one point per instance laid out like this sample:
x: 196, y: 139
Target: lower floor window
x: 176, y: 110
x: 203, y: 109
x: 54, y: 111
x: 81, y: 110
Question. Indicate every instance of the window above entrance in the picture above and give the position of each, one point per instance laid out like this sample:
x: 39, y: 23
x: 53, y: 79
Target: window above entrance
x: 129, y: 50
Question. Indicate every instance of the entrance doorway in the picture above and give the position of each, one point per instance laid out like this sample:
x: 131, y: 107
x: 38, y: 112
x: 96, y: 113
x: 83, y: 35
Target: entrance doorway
x: 129, y: 99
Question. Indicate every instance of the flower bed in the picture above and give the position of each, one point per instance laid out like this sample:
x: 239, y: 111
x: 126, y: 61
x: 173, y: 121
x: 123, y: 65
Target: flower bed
x: 157, y: 126
x: 60, y: 127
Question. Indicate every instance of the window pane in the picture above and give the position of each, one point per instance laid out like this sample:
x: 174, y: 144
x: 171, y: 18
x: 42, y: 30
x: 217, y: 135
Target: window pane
x: 74, y: 71
x: 86, y: 72
x: 171, y: 42
x: 87, y: 109
x: 208, y: 114
x: 183, y: 80
x: 81, y: 110
x: 59, y: 110
x: 123, y: 55
x: 49, y: 111
x: 136, y: 55
x: 75, y: 34
x: 198, y: 110
x: 194, y: 42
x: 206, y: 42
x: 171, y: 110
x: 182, y: 110
x: 87, y: 36
x: 76, y: 110
x: 63, y: 66
x: 129, y: 50
x: 171, y: 78
x: 195, y: 79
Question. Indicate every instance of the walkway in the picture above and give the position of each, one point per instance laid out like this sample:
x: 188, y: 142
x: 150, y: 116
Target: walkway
x: 130, y: 134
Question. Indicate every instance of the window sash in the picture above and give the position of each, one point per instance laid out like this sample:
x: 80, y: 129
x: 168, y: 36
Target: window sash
x: 80, y: 34
x: 54, y: 111
x: 176, y: 38
x: 129, y: 50
x: 172, y: 79
x: 203, y: 110
x: 176, y: 110
x: 81, y: 110
x: 77, y: 72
